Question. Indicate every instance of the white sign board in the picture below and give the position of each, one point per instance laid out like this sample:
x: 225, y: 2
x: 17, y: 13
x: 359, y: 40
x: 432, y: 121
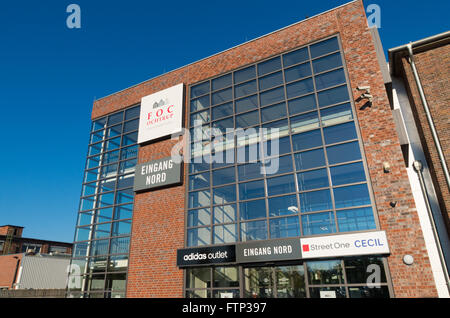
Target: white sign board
x: 367, y: 243
x: 161, y: 114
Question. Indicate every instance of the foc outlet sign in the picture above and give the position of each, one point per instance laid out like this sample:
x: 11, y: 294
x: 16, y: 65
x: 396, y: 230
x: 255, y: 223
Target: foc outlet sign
x: 161, y: 114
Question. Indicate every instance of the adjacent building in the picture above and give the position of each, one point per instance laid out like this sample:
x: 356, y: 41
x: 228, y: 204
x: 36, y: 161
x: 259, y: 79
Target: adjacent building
x: 293, y: 182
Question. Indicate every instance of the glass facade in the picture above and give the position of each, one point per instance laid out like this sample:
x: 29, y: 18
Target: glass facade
x: 101, y: 246
x: 320, y: 186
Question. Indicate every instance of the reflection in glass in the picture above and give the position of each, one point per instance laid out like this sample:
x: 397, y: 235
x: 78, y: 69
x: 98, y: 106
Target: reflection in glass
x: 325, y: 272
x: 258, y: 282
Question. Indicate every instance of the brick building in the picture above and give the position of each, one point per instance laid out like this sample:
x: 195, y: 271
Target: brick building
x: 12, y: 242
x: 335, y: 214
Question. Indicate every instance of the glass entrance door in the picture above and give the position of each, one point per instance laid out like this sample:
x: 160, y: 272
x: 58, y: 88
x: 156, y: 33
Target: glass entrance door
x: 275, y: 282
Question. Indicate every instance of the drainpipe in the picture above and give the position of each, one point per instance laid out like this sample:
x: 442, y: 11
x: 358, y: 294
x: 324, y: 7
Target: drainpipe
x: 428, y: 114
x: 418, y: 168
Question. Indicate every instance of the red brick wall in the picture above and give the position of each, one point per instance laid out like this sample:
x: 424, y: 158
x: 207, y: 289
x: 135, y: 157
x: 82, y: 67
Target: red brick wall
x: 158, y: 219
x: 433, y: 67
x: 7, y: 269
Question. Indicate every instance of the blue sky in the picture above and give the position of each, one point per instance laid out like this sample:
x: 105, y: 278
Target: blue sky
x: 50, y: 76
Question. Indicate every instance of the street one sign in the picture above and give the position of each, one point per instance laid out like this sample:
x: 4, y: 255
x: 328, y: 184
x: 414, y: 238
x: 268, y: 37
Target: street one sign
x: 368, y: 243
x: 161, y: 114
x: 157, y: 173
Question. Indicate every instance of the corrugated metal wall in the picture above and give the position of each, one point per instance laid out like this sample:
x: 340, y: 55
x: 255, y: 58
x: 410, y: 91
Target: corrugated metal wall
x: 43, y: 272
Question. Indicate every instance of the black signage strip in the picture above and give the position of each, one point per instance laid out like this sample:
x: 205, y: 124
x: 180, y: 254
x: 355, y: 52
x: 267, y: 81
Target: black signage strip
x: 206, y: 255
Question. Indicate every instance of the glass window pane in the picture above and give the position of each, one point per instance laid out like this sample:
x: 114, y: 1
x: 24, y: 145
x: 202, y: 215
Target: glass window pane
x: 312, y: 179
x: 276, y: 147
x: 221, y: 96
x: 103, y: 215
x: 102, y: 230
x: 256, y: 230
x: 368, y: 292
x: 118, y: 263
x: 281, y: 185
x: 198, y: 217
x: 129, y: 139
x: 120, y: 245
x: 329, y: 79
x: 225, y: 213
x: 244, y: 74
x: 284, y: 227
x: 125, y: 196
x: 131, y: 125
x: 105, y: 199
x: 281, y: 126
x: 123, y: 212
x: 224, y: 195
x: 272, y: 96
x: 114, y: 131
x: 269, y: 66
x: 250, y: 171
x: 247, y: 119
x: 340, y: 133
x: 271, y: 80
x: 223, y: 176
x: 99, y: 124
x: 91, y: 175
x: 302, y: 104
x: 226, y: 277
x: 333, y: 96
x: 284, y: 165
x: 132, y: 112
x: 327, y: 63
x: 222, y: 111
x: 99, y: 247
x: 300, y: 88
x: 297, y: 72
x: 80, y: 249
x: 306, y: 140
x: 336, y: 115
x: 83, y: 233
x: 87, y: 204
x: 89, y: 189
x: 309, y: 159
x: 223, y: 124
x: 304, y: 122
x: 199, y: 199
x: 125, y: 181
x: 199, y: 181
x: 339, y: 292
x: 198, y: 237
x: 199, y: 89
x: 355, y: 220
x: 245, y: 89
x: 109, y: 171
x: 198, y: 119
x: 315, y: 201
x: 351, y: 196
x: 252, y: 209
x: 225, y: 234
x: 247, y: 103
x: 115, y: 119
x: 97, y: 136
x: 129, y: 152
x: 343, y: 153
x: 221, y: 82
x: 351, y: 173
x: 200, y: 103
x: 295, y: 57
x: 85, y: 219
x: 324, y: 47
x: 112, y: 144
x: 95, y: 149
x: 318, y: 223
x: 273, y: 112
x: 251, y: 190
x: 283, y: 205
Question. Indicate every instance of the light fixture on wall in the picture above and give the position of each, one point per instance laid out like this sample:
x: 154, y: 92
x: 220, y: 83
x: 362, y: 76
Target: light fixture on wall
x: 365, y: 95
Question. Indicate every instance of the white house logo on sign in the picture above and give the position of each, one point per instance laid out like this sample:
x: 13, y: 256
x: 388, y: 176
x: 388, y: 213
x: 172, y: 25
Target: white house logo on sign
x: 161, y: 114
x: 369, y: 243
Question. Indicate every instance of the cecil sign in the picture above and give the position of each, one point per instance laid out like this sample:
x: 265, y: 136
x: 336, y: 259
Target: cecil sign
x: 157, y: 173
x: 161, y: 114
